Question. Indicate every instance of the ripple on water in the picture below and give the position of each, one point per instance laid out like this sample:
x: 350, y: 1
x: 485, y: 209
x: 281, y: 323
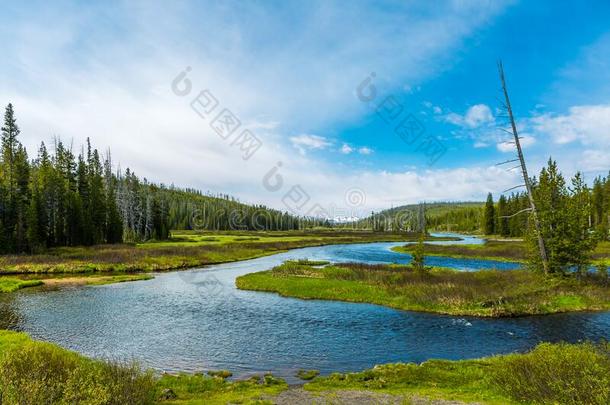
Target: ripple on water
x: 182, y: 321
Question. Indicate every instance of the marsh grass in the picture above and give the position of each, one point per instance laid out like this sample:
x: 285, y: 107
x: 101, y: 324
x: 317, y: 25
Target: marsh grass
x: 185, y: 249
x: 497, y: 250
x: 488, y: 293
x: 10, y: 284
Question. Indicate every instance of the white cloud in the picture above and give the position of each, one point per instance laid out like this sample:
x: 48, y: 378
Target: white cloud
x: 365, y: 150
x: 475, y: 117
x: 595, y: 161
x: 480, y: 144
x: 478, y: 115
x: 589, y: 124
x: 525, y: 140
x: 107, y: 74
x: 346, y: 149
x: 305, y: 141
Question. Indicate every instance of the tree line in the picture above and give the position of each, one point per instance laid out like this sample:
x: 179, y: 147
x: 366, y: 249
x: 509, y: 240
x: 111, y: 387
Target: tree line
x: 62, y: 199
x: 573, y: 217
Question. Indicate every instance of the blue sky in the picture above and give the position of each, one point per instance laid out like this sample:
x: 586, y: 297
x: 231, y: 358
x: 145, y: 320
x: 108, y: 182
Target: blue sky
x: 289, y: 71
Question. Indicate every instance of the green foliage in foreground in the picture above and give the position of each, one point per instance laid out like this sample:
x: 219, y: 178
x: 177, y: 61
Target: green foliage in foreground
x: 33, y: 372
x: 199, y: 389
x: 549, y: 374
x: 10, y: 284
x: 41, y: 373
x: 487, y: 293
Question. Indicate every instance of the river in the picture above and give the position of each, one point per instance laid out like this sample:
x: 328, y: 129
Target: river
x: 197, y: 320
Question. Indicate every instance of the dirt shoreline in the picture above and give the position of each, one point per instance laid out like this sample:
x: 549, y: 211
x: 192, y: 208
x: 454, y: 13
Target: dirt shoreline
x: 299, y: 395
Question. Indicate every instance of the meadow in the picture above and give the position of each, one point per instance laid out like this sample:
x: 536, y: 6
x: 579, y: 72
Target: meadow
x: 486, y: 293
x: 184, y: 249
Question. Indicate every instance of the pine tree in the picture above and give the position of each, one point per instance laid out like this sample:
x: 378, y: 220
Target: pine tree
x: 489, y: 216
x: 418, y: 254
x: 503, y: 228
x: 580, y: 241
x: 10, y: 145
x: 15, y: 178
x: 113, y: 225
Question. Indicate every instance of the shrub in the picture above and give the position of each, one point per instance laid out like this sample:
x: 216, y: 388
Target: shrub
x: 557, y: 374
x: 40, y: 373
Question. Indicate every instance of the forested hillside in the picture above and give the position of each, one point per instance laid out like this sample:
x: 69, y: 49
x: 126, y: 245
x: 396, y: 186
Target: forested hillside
x: 63, y: 199
x: 508, y: 216
x: 446, y: 216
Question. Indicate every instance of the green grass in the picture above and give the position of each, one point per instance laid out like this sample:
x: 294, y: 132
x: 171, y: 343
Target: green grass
x: 121, y: 278
x: 487, y: 293
x: 37, y: 372
x: 515, y: 251
x: 501, y: 250
x: 10, y: 284
x: 549, y: 374
x: 307, y: 374
x: 200, y: 389
x: 185, y: 249
x: 33, y: 372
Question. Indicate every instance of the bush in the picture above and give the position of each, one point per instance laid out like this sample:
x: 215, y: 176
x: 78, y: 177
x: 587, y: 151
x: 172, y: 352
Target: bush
x: 40, y: 373
x: 557, y: 374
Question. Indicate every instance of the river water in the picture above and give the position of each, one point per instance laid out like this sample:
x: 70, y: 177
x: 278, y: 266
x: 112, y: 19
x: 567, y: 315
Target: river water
x: 197, y: 320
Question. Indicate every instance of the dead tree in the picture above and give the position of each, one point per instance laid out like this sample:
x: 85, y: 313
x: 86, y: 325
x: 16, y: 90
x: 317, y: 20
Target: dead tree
x: 526, y: 179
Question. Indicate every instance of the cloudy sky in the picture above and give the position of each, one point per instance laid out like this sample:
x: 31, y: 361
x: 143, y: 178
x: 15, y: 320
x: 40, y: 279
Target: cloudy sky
x: 346, y: 105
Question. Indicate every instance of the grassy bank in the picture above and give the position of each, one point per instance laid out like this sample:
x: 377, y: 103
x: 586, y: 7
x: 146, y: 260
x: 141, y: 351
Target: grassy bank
x: 550, y: 374
x: 11, y: 284
x: 37, y: 372
x: 487, y: 293
x: 184, y: 249
x: 33, y: 372
x: 501, y: 250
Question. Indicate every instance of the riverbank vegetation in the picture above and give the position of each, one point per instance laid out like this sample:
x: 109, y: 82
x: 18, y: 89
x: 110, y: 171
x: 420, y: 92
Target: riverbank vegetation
x: 184, y: 249
x: 549, y: 374
x: 38, y: 372
x: 501, y: 250
x: 11, y: 284
x: 33, y: 372
x: 486, y: 293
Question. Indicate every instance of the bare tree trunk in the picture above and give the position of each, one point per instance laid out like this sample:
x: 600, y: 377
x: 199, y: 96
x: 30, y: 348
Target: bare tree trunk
x: 526, y: 179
